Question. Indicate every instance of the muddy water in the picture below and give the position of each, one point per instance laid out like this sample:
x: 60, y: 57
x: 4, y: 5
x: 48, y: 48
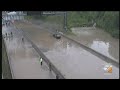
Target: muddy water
x: 68, y: 57
x: 98, y: 40
x: 24, y: 60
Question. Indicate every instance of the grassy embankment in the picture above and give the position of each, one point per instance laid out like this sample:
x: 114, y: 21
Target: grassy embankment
x: 106, y: 20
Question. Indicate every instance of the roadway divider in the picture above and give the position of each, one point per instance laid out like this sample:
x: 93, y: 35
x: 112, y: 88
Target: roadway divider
x: 51, y: 66
x: 8, y: 62
x: 101, y: 56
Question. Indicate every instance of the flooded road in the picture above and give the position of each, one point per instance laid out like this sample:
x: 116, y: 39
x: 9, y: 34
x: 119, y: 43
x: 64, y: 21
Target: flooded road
x: 98, y: 40
x: 70, y: 59
x: 24, y: 60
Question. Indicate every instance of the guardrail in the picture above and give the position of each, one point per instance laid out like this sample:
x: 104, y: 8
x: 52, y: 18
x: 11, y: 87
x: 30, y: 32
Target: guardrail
x: 103, y: 57
x: 51, y: 66
x: 10, y: 73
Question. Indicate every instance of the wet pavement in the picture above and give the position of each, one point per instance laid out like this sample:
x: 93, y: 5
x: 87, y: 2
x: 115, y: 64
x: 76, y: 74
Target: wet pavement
x: 24, y: 60
x: 70, y: 59
x: 98, y: 40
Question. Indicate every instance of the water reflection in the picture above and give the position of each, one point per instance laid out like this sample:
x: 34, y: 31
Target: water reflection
x: 68, y: 57
x: 98, y: 40
x: 102, y: 47
x: 24, y: 59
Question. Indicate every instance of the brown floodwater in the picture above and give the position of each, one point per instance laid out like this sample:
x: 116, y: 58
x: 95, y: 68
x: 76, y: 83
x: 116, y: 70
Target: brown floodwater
x: 69, y: 58
x: 98, y: 40
x: 24, y: 60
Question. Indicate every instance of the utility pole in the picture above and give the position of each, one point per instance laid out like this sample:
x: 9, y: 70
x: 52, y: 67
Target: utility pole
x: 65, y: 21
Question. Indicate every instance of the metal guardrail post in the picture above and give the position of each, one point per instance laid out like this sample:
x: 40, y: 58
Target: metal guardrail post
x: 50, y: 67
x: 57, y: 76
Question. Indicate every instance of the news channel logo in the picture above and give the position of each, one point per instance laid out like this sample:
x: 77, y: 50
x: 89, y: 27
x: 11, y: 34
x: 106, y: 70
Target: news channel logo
x: 108, y: 68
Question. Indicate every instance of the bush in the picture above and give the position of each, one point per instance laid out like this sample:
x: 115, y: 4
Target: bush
x: 115, y: 33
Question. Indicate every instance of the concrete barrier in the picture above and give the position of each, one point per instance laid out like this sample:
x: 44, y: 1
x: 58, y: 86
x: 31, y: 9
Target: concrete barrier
x: 103, y: 57
x: 7, y: 62
x: 52, y: 67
